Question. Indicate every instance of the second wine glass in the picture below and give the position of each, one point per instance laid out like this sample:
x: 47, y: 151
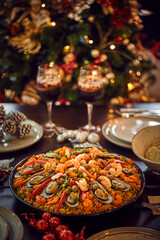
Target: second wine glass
x: 48, y: 84
x: 90, y: 87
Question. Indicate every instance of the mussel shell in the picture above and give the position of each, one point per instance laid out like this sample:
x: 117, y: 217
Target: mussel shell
x: 22, y: 172
x: 108, y: 199
x: 72, y: 204
x: 42, y: 178
x: 128, y: 171
x: 50, y: 155
x: 107, y: 155
x: 120, y: 185
x: 48, y: 195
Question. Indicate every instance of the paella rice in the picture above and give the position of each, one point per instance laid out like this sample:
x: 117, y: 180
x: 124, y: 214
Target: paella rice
x: 77, y: 181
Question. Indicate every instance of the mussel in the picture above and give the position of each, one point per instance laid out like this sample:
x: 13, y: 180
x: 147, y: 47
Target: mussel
x: 100, y: 193
x: 72, y: 198
x: 120, y: 185
x: 39, y: 178
x: 128, y: 171
x: 53, y: 187
x: 50, y: 155
x: 29, y: 170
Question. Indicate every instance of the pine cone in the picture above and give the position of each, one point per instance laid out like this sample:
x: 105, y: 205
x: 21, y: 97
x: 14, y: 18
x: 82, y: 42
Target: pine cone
x: 23, y: 130
x: 17, y: 117
x: 9, y: 127
x: 2, y: 115
x: 1, y: 134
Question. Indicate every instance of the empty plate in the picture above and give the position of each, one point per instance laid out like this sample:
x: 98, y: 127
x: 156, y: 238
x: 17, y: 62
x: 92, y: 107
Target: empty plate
x: 125, y: 128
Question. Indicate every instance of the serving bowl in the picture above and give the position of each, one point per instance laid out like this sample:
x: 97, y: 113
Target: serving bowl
x: 142, y: 141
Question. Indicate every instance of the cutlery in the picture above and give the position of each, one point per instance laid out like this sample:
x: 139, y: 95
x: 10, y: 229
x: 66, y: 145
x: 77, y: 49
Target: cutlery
x: 139, y: 110
x: 4, y: 162
x: 136, y: 114
x: 152, y: 206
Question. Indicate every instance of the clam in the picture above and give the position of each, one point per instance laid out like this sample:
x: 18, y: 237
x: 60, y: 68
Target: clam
x: 39, y: 178
x: 53, y: 187
x: 72, y: 198
x: 120, y: 185
x: 100, y: 193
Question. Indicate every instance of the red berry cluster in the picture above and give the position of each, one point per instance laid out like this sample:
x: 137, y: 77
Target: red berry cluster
x: 3, y: 176
x: 52, y: 228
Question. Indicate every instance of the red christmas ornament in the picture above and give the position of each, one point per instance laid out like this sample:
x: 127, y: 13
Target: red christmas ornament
x: 54, y: 222
x: 49, y: 236
x: 32, y: 223
x: 156, y: 49
x: 46, y: 216
x: 42, y: 225
x: 66, y: 235
x: 60, y: 228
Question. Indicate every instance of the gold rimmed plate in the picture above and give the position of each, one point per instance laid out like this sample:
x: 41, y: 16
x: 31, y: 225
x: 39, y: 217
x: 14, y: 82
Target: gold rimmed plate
x: 126, y: 233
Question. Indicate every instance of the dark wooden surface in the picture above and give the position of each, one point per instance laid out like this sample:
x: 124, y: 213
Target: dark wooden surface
x: 71, y: 117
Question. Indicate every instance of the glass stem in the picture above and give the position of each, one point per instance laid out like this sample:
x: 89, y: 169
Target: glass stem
x: 49, y: 109
x: 89, y: 112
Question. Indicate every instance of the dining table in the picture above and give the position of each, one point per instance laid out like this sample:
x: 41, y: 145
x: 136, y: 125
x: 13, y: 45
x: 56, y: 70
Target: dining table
x: 73, y: 117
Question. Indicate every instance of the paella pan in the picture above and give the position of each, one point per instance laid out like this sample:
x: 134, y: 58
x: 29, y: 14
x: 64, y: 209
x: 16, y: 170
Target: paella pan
x: 77, y: 182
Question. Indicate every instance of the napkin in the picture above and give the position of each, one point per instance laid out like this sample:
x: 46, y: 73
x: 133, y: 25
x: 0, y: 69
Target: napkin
x: 154, y: 199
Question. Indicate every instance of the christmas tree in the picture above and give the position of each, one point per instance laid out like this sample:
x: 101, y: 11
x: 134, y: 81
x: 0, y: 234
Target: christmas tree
x: 72, y: 34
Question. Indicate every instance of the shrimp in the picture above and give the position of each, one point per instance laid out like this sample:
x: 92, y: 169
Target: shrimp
x: 116, y: 169
x: 94, y: 163
x: 82, y: 156
x: 71, y: 163
x: 67, y: 153
x: 53, y: 200
x: 87, y: 204
x: 60, y: 168
x: 82, y: 184
x: 85, y: 172
x: 117, y: 200
x: 58, y: 175
x: 40, y: 199
x: 94, y: 152
x: 105, y: 181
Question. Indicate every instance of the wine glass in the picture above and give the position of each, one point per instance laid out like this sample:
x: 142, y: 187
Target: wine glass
x: 48, y: 85
x: 90, y: 88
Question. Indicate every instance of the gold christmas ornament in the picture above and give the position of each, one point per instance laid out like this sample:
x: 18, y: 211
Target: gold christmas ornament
x: 32, y: 21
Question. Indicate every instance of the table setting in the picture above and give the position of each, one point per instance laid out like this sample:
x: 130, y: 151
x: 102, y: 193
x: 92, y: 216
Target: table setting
x: 104, y: 217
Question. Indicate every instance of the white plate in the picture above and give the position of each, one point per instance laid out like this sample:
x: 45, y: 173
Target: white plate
x: 13, y: 143
x: 125, y: 128
x: 14, y: 223
x: 4, y: 228
x: 111, y: 138
x: 126, y: 233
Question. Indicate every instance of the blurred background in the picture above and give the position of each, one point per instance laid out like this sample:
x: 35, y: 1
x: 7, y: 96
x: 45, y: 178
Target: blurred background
x: 122, y: 37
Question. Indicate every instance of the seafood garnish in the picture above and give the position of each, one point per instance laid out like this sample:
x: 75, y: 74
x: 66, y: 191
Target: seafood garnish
x: 100, y: 193
x: 128, y: 171
x: 53, y: 187
x: 29, y: 170
x: 72, y: 198
x: 119, y: 185
x: 39, y: 178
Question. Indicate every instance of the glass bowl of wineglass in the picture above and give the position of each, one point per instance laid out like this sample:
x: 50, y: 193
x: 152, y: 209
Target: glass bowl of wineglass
x: 90, y: 89
x: 48, y: 85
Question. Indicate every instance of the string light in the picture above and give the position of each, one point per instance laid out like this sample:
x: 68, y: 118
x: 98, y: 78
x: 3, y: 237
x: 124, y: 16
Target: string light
x: 90, y: 41
x: 130, y: 86
x: 130, y: 71
x: 53, y: 24
x: 112, y: 81
x: 138, y: 73
x: 112, y: 47
x: 51, y: 64
x: 43, y: 5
